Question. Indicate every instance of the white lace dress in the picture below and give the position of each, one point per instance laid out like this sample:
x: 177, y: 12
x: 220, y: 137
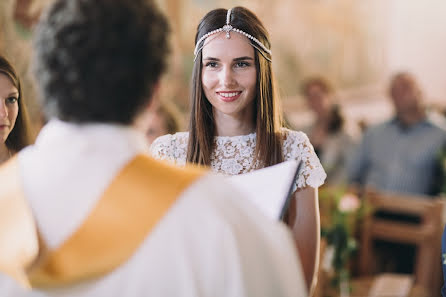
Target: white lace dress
x: 235, y: 154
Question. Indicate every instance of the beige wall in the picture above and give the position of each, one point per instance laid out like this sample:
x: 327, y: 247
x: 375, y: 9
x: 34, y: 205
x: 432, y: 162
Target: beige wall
x: 417, y: 42
x: 356, y: 44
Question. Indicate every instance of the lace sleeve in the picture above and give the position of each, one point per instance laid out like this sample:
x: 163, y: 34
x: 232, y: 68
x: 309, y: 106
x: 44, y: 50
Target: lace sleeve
x: 171, y: 148
x: 297, y: 146
x: 161, y: 147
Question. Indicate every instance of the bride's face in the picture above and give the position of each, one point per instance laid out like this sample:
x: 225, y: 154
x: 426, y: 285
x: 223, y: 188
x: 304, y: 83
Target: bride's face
x: 229, y: 75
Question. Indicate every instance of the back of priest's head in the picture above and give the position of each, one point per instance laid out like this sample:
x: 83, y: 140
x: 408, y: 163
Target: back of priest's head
x: 99, y: 60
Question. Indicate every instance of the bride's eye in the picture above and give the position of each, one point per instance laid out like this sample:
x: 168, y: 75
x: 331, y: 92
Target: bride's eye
x: 242, y: 64
x: 211, y: 64
x: 11, y: 100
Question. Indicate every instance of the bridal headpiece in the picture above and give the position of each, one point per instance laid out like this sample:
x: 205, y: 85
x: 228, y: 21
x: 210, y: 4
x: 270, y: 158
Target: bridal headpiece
x: 228, y: 28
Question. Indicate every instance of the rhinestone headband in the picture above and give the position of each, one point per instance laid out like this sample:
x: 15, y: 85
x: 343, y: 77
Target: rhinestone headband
x: 228, y: 28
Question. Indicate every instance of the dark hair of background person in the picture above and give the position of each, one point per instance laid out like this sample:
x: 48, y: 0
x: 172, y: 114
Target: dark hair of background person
x: 21, y: 134
x: 99, y: 60
x: 267, y: 115
x: 336, y: 120
x: 171, y: 118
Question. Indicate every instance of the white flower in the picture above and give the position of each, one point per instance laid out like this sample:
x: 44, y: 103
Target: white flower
x: 348, y: 203
x: 327, y: 259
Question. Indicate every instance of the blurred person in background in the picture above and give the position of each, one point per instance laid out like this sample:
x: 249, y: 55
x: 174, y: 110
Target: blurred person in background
x: 164, y: 119
x: 332, y: 142
x: 17, y: 18
x: 15, y: 128
x: 400, y: 155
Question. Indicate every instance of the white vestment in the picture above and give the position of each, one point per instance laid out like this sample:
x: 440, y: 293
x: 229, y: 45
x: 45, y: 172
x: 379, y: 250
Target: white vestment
x: 211, y: 242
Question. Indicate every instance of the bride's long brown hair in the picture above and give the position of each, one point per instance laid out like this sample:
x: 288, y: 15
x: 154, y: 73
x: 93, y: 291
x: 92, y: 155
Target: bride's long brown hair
x: 267, y: 114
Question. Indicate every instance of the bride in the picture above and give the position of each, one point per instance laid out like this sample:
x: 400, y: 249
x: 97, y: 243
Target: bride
x: 235, y: 123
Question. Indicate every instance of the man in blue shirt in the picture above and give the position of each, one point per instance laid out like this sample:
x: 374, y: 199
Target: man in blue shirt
x: 400, y: 155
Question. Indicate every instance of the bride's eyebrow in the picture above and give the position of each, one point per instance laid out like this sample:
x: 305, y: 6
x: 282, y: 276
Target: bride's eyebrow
x: 243, y: 59
x: 211, y: 59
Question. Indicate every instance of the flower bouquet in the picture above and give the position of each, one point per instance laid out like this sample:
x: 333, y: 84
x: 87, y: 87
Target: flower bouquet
x: 341, y: 212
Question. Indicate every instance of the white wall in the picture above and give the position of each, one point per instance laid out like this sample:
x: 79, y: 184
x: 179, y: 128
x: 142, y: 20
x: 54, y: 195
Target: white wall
x: 417, y: 43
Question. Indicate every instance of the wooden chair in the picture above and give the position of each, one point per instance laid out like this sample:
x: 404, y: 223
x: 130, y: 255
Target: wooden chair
x: 426, y: 235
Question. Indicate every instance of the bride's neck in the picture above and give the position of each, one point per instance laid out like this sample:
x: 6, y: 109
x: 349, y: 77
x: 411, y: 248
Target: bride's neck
x: 227, y: 125
x: 234, y: 129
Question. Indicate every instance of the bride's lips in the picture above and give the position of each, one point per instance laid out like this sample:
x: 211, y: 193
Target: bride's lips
x: 229, y: 96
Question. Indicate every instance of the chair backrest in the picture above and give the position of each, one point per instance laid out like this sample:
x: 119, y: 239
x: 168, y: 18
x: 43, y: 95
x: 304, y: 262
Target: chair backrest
x: 426, y: 235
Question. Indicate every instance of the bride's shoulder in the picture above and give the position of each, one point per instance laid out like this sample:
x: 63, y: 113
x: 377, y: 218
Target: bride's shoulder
x: 293, y: 136
x: 166, y: 145
x: 297, y: 146
x: 168, y: 139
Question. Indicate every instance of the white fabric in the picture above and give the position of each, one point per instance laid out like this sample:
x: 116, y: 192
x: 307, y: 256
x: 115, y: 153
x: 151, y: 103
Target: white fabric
x: 235, y: 154
x: 268, y: 188
x: 210, y: 243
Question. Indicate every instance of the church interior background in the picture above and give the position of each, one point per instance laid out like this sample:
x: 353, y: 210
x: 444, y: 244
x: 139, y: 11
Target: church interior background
x: 357, y: 45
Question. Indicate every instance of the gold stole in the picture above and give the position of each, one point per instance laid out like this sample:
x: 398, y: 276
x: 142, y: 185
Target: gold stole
x: 130, y: 207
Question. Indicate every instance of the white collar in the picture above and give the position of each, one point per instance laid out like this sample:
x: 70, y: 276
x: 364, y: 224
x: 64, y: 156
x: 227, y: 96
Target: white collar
x: 68, y: 169
x: 57, y: 132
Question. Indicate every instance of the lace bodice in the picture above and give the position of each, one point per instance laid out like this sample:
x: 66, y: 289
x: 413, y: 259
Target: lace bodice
x: 235, y: 154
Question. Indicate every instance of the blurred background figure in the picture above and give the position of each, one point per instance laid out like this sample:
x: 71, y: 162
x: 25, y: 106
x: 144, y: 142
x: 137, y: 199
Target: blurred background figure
x: 164, y: 119
x: 400, y: 155
x: 15, y: 128
x: 17, y: 19
x: 332, y: 142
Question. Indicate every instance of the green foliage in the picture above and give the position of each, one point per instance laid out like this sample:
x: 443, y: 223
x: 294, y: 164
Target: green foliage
x: 341, y: 214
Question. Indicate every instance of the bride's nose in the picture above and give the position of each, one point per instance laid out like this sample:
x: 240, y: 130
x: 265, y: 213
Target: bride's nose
x: 227, y: 78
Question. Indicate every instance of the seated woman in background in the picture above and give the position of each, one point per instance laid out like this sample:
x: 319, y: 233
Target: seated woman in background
x: 235, y: 124
x: 332, y: 142
x: 14, y: 122
x: 164, y: 119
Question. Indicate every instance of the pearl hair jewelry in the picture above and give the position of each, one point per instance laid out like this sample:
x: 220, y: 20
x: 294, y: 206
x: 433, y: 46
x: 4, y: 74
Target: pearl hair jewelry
x: 228, y: 28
